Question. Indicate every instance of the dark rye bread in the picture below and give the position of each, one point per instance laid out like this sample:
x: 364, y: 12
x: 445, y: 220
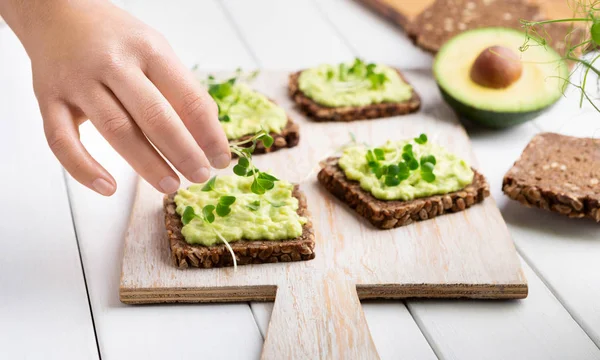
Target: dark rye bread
x: 319, y: 112
x: 247, y: 252
x: 444, y: 19
x: 558, y: 173
x: 387, y: 214
x: 287, y: 138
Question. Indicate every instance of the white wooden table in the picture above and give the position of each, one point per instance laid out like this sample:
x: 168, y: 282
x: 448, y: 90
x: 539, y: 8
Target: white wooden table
x: 61, y: 244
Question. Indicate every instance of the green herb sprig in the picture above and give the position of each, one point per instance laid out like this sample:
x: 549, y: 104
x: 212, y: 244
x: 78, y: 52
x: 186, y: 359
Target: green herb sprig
x: 393, y: 174
x: 219, y: 91
x: 359, y: 75
x: 584, y: 11
x: 244, y: 149
x: 208, y: 217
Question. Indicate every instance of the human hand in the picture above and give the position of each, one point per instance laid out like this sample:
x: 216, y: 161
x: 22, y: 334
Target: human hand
x: 91, y: 59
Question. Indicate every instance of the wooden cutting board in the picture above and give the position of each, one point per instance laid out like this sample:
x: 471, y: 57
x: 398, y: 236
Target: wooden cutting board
x: 317, y: 313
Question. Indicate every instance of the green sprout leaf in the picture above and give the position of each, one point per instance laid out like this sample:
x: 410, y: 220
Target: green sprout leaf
x: 210, y: 184
x: 429, y: 177
x: 427, y: 167
x: 257, y: 188
x: 188, y: 215
x: 422, y: 139
x: 428, y: 159
x: 413, y: 164
x: 207, y: 212
x: 330, y: 74
x: 267, y: 140
x: 239, y: 170
x: 393, y: 170
x: 226, y: 200
x: 595, y: 31
x: 244, y: 162
x: 403, y: 171
x: 223, y: 210
x: 224, y: 118
x: 391, y: 180
x: 265, y: 176
x: 379, y: 154
x: 255, y: 205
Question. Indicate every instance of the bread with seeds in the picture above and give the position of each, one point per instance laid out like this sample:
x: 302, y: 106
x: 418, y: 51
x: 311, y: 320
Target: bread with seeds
x: 558, y: 173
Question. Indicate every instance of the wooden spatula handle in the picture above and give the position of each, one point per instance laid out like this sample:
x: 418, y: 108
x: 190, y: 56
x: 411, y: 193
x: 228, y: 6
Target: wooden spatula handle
x: 318, y: 317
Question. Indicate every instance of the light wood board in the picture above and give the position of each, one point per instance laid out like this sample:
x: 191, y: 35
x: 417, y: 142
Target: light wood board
x: 467, y: 254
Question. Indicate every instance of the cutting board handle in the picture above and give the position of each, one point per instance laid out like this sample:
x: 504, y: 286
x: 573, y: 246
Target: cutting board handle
x: 318, y: 317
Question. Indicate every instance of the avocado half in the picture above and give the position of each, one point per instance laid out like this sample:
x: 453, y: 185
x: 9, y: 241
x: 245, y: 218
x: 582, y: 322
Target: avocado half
x: 540, y: 85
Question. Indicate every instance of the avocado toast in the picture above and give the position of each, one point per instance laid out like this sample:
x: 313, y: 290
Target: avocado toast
x: 355, y: 91
x: 392, y: 190
x: 558, y: 173
x: 244, y: 111
x: 186, y: 255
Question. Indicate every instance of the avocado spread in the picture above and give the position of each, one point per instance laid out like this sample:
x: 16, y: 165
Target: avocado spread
x: 243, y: 111
x: 450, y: 172
x: 271, y: 216
x: 354, y: 84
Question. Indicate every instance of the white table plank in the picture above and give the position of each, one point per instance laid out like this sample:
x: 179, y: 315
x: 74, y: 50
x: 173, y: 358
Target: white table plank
x: 287, y: 34
x: 44, y: 310
x: 198, y: 31
x: 371, y: 37
x: 535, y: 328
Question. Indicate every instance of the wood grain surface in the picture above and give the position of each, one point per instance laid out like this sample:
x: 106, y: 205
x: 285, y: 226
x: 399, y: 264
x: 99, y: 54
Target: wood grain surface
x: 467, y: 254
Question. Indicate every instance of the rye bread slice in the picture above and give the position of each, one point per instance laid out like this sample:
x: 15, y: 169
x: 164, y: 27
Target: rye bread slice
x: 558, y: 173
x: 387, y: 214
x: 287, y: 138
x: 247, y: 252
x: 319, y: 112
x: 444, y: 19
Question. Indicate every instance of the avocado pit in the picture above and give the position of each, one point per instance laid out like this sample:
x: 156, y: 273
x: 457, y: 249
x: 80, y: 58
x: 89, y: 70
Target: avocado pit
x: 496, y: 67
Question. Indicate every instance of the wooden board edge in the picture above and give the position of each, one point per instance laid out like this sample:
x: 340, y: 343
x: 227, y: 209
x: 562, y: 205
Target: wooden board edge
x: 445, y: 291
x: 135, y: 296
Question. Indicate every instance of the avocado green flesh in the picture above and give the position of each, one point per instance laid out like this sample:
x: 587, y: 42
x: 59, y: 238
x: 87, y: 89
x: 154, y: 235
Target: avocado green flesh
x: 540, y: 85
x: 275, y: 219
x: 324, y: 85
x: 451, y: 172
x: 250, y: 111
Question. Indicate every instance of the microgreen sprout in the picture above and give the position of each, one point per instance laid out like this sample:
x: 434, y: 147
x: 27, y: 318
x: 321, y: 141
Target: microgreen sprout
x: 244, y: 149
x: 393, y: 173
x: 208, y: 217
x: 359, y: 75
x: 422, y: 139
x: 586, y: 13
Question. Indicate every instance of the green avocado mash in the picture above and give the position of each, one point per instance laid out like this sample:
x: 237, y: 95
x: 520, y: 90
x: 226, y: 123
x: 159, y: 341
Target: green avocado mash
x: 353, y: 84
x: 451, y: 173
x: 248, y: 111
x: 271, y: 216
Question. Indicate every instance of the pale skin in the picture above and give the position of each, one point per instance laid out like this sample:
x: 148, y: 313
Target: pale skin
x: 92, y: 60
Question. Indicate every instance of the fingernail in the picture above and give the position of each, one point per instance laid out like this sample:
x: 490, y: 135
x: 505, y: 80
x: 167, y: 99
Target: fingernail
x: 221, y: 161
x: 103, y: 187
x: 168, y: 184
x: 201, y: 175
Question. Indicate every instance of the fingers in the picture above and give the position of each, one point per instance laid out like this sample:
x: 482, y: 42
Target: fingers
x: 160, y: 123
x: 63, y: 138
x: 114, y: 123
x: 193, y: 104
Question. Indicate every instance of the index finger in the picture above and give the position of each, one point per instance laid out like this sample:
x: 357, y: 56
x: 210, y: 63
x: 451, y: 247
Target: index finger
x: 194, y: 106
